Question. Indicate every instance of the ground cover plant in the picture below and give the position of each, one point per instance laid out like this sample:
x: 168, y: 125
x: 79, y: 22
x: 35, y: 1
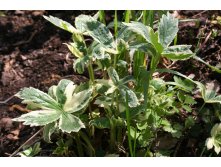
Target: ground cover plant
x: 132, y: 108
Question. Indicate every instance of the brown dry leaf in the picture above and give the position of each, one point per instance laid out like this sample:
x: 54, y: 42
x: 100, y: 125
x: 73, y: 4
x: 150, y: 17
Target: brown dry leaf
x: 12, y: 137
x: 19, y: 108
x: 6, y: 123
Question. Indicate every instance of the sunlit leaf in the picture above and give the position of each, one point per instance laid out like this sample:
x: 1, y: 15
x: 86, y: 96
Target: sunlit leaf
x: 70, y: 123
x: 168, y: 28
x: 113, y: 75
x: 32, y: 95
x: 61, y: 24
x: 97, y: 30
x: 78, y: 101
x: 39, y: 117
x: 178, y: 52
x: 132, y: 98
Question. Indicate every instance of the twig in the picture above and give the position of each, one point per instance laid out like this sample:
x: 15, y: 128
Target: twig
x: 206, y: 39
x: 199, y: 13
x: 27, y: 41
x: 32, y: 137
x: 8, y: 99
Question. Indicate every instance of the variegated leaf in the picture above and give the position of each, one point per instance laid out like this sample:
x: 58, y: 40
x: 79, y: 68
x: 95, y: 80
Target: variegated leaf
x: 61, y: 24
x: 32, y: 95
x: 178, y: 52
x: 95, y: 29
x: 70, y: 123
x: 168, y: 29
x: 39, y: 117
x: 78, y: 101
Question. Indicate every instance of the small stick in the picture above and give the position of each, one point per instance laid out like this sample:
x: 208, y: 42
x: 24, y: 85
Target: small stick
x: 8, y: 99
x: 199, y: 13
x: 32, y: 137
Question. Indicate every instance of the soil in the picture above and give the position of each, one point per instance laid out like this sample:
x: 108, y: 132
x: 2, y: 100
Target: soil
x: 32, y: 53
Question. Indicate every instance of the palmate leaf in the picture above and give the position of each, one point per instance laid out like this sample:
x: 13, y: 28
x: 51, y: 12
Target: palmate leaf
x: 70, y: 123
x: 209, y: 96
x: 39, y: 117
x: 97, y: 30
x: 60, y: 103
x: 61, y: 24
x: 168, y: 28
x: 215, y: 139
x: 32, y: 95
x: 178, y: 52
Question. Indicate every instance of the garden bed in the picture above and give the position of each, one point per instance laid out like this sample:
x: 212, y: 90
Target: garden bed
x: 32, y: 53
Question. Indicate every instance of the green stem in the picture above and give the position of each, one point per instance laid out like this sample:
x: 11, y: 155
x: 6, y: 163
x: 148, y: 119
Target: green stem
x: 119, y: 134
x: 79, y: 146
x: 128, y: 127
x: 201, y: 154
x: 87, y: 141
x: 112, y: 135
x: 135, y: 142
x: 202, y: 107
x: 115, y: 61
x: 115, y: 24
x: 102, y: 16
x: 91, y: 72
x: 127, y: 16
x: 144, y: 18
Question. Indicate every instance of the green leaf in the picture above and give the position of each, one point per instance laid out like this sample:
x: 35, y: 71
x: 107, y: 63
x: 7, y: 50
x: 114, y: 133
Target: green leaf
x: 39, y: 117
x: 126, y: 79
x: 74, y: 50
x: 31, y: 151
x: 32, y: 95
x: 168, y: 28
x: 48, y: 131
x: 97, y: 30
x: 215, y: 139
x: 61, y: 24
x: 70, y: 123
x: 139, y: 29
x: 61, y: 90
x: 79, y: 64
x: 209, y: 96
x: 113, y: 75
x: 101, y: 123
x: 132, y: 98
x: 154, y: 39
x: 78, y: 101
x: 52, y: 92
x: 189, y: 122
x: 184, y: 83
x: 178, y: 52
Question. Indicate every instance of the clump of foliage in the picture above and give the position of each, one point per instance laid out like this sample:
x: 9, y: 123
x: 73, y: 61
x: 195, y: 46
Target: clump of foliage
x: 134, y: 109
